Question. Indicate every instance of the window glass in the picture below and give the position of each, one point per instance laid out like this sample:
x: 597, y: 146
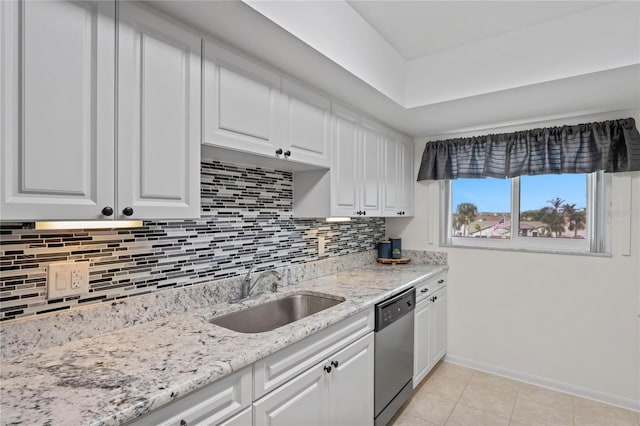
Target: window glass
x: 553, y: 206
x: 481, y: 208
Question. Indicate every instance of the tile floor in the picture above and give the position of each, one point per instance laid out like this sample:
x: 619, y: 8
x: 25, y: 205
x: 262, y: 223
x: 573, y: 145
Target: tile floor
x: 453, y: 395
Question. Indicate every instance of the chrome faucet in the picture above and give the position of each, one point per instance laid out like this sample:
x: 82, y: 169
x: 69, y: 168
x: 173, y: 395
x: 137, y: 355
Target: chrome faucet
x: 248, y: 287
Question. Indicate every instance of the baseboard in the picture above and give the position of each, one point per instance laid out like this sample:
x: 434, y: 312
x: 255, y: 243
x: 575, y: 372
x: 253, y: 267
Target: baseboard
x: 544, y: 382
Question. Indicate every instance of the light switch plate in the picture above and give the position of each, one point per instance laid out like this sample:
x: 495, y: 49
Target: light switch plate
x: 67, y: 279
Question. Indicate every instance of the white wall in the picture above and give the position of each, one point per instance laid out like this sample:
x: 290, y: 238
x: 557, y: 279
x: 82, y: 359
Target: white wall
x: 568, y: 322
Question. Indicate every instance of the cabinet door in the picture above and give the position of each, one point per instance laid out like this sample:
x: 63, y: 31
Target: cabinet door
x: 158, y: 116
x: 57, y: 106
x: 422, y: 341
x: 391, y: 176
x: 370, y: 171
x: 302, y: 401
x: 244, y: 418
x: 240, y: 103
x: 351, y: 384
x: 344, y: 166
x: 406, y: 177
x: 439, y: 325
x: 307, y: 125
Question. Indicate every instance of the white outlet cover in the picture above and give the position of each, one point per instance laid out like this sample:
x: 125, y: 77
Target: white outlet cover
x: 67, y: 279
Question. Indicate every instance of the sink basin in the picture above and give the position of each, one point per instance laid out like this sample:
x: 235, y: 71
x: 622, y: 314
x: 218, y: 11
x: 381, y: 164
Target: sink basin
x: 271, y: 315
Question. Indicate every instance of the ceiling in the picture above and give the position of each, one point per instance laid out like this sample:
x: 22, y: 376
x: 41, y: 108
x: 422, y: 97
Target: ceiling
x: 432, y: 68
x: 419, y: 28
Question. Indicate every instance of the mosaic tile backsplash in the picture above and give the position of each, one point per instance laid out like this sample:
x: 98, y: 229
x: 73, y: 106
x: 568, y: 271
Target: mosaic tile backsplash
x: 246, y: 218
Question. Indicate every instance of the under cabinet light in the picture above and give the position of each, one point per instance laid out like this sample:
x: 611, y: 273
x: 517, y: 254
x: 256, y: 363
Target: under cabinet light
x: 338, y: 219
x: 89, y: 224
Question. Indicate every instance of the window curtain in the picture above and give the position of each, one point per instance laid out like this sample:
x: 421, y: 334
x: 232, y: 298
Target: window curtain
x: 612, y: 146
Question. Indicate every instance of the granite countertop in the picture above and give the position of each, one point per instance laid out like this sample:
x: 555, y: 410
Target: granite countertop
x: 118, y: 376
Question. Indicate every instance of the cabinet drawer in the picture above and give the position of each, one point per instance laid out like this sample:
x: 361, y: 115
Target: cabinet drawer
x: 428, y: 287
x: 282, y: 366
x: 209, y: 405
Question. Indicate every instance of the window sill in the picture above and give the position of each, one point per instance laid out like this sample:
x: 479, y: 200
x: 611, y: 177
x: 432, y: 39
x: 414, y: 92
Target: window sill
x: 529, y: 250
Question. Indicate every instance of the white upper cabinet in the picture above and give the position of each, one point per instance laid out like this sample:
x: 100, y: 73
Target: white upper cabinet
x: 398, y: 179
x: 58, y: 113
x: 57, y: 109
x: 307, y: 124
x: 158, y: 117
x: 252, y: 110
x: 369, y: 173
x: 344, y: 164
x: 407, y: 177
x: 240, y: 102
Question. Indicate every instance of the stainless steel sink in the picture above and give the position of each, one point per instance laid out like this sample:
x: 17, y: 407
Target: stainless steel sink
x: 271, y: 315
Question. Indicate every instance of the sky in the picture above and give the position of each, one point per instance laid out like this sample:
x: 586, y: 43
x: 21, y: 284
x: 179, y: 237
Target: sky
x: 493, y: 195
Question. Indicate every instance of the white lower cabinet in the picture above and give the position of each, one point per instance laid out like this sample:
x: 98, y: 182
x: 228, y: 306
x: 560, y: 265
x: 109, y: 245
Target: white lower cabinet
x: 324, y: 379
x: 430, y: 330
x: 337, y: 391
x: 243, y: 418
x: 207, y: 406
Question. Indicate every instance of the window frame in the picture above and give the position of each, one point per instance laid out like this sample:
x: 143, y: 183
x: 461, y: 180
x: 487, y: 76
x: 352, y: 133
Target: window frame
x: 596, y: 241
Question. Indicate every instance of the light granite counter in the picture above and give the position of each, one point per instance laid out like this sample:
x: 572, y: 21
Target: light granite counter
x: 114, y: 377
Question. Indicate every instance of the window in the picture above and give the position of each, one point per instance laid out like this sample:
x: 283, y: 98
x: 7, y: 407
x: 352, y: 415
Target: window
x: 546, y: 212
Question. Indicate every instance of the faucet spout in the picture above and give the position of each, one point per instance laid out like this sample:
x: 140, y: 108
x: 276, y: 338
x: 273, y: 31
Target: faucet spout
x: 248, y: 286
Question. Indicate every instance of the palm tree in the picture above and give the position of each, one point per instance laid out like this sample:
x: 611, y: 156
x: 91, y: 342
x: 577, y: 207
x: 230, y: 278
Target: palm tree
x: 578, y: 222
x: 478, y: 229
x: 552, y: 216
x: 465, y: 214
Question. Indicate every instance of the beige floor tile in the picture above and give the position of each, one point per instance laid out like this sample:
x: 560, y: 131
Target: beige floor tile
x: 491, y: 400
x: 531, y: 413
x: 432, y: 408
x: 443, y: 386
x: 545, y: 397
x: 514, y: 423
x: 493, y: 382
x: 405, y: 419
x: 468, y: 416
x: 591, y: 413
x: 453, y: 372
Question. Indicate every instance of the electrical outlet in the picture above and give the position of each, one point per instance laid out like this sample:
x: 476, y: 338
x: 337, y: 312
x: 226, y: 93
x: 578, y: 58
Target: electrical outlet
x: 67, y: 279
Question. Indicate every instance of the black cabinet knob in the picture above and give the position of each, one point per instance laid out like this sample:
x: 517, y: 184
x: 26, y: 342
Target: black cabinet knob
x: 424, y: 290
x: 183, y: 422
x: 433, y: 299
x: 287, y: 153
x: 107, y: 211
x: 327, y: 368
x: 364, y: 212
x: 334, y: 363
x: 440, y: 281
x: 279, y: 151
x: 409, y: 303
x: 127, y: 211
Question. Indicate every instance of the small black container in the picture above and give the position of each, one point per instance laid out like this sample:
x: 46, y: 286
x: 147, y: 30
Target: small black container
x: 384, y: 249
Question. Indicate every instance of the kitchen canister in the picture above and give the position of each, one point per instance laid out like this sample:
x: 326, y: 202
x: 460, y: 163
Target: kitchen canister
x: 384, y: 249
x: 396, y: 248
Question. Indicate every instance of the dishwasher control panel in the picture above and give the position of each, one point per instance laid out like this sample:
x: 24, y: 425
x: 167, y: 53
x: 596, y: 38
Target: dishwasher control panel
x: 394, y: 308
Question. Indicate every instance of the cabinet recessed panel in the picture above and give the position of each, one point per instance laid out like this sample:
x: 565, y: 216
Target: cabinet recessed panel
x: 58, y: 73
x: 58, y: 110
x: 390, y: 184
x: 308, y: 129
x: 244, y: 105
x: 370, y: 196
x: 164, y: 125
x: 344, y: 166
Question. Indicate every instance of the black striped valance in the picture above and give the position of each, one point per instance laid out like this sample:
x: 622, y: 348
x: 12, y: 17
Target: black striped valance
x: 612, y: 146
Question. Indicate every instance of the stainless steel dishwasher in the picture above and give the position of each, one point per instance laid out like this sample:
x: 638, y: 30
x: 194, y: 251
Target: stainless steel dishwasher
x: 393, y: 379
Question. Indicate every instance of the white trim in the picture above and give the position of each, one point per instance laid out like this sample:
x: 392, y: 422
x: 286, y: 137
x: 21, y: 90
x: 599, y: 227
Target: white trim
x: 618, y: 401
